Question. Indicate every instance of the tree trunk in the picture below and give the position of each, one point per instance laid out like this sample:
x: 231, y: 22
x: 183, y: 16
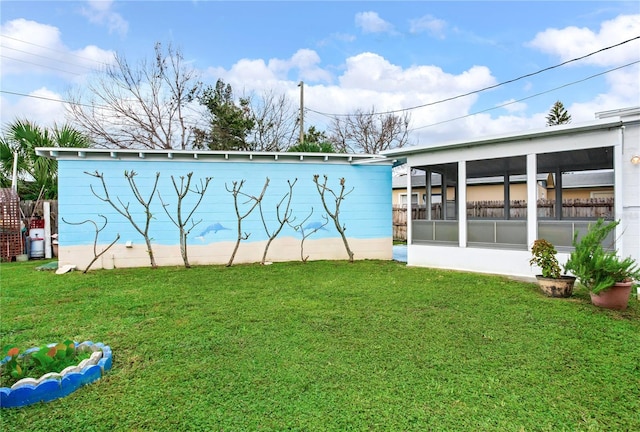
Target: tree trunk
x: 183, y: 248
x: 150, y: 251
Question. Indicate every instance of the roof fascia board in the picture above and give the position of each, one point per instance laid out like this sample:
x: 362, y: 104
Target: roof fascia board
x: 549, y: 144
x: 69, y: 153
x: 507, y: 138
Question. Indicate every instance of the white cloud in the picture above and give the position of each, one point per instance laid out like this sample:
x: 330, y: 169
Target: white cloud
x: 343, y: 37
x: 429, y: 24
x: 260, y: 74
x: 100, y: 12
x: 367, y: 81
x: 572, y: 42
x: 372, y: 71
x: 364, y: 81
x: 30, y: 47
x: 43, y: 106
x: 340, y: 37
x: 623, y: 91
x: 370, y: 22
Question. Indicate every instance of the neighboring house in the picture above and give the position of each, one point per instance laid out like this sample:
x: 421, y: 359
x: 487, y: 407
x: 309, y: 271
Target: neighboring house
x: 610, y: 144
x: 484, y: 189
x: 364, y: 211
x: 584, y: 185
x: 575, y: 185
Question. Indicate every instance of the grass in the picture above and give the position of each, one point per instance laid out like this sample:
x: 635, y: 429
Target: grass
x: 326, y: 346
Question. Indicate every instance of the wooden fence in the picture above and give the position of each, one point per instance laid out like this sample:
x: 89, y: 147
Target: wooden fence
x: 592, y: 208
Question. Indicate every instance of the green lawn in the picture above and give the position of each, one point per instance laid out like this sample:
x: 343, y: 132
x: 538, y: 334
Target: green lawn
x: 326, y: 346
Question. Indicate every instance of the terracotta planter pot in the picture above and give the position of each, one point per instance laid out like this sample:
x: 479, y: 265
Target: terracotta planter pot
x: 556, y: 287
x: 616, y: 297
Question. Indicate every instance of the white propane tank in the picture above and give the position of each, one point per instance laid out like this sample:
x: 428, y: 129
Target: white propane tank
x: 37, y: 242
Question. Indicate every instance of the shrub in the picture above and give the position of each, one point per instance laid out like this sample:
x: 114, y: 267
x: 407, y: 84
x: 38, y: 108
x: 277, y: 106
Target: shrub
x: 35, y: 363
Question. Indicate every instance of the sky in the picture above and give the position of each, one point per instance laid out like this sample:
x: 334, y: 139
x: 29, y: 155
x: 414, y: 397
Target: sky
x: 459, y: 69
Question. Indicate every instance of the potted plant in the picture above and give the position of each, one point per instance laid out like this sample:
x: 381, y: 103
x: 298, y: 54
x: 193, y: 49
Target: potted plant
x: 608, y: 277
x: 551, y: 282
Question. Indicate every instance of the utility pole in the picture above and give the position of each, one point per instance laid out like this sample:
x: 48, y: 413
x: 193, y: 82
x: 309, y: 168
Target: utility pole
x: 301, y: 85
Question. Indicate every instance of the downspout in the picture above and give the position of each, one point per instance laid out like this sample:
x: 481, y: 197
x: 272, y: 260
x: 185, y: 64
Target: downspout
x: 409, y: 209
x: 443, y: 193
x: 461, y: 196
x: 428, y: 194
x: 618, y: 213
x: 532, y: 199
x: 506, y: 181
x: 558, y: 193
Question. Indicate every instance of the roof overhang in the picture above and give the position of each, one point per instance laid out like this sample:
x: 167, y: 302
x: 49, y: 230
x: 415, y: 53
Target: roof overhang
x: 528, y: 135
x: 68, y: 153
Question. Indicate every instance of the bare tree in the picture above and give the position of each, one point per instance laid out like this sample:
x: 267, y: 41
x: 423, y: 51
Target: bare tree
x: 369, y: 132
x: 308, y: 230
x: 335, y: 214
x: 180, y: 221
x: 142, y: 106
x: 96, y: 254
x: 123, y: 208
x: 283, y: 218
x: 275, y: 123
x: 236, y: 191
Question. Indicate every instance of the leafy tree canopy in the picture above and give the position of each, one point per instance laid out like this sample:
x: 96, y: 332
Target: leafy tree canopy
x: 315, y: 141
x: 229, y: 123
x: 558, y: 115
x: 34, y: 173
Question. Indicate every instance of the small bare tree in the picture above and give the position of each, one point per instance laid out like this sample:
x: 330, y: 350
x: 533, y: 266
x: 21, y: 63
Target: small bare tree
x: 180, y: 221
x: 139, y: 106
x: 335, y: 214
x: 308, y: 230
x: 123, y: 208
x: 96, y: 254
x: 283, y: 218
x: 369, y: 132
x: 236, y: 191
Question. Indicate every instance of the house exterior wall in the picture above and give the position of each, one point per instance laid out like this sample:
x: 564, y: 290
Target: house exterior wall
x: 596, y: 192
x: 366, y: 211
x: 397, y: 195
x: 474, y: 193
x: 630, y: 224
x: 621, y: 136
x: 495, y: 192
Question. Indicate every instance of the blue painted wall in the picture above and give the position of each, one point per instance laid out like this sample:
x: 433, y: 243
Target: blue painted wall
x: 366, y: 211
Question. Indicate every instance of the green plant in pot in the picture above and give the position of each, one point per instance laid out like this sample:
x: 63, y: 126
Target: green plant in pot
x: 551, y: 282
x: 608, y: 277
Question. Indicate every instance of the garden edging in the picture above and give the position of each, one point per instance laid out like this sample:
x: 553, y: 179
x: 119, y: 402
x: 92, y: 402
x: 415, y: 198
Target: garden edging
x: 54, y: 385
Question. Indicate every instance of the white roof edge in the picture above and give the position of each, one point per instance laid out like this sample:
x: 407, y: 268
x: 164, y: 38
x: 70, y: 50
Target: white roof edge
x: 512, y: 136
x: 87, y: 153
x: 620, y: 112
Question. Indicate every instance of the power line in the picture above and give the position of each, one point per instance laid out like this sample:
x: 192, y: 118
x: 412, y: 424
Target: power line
x: 485, y: 88
x: 106, y: 107
x: 528, y: 97
x: 39, y: 64
x: 47, y: 58
x: 316, y: 112
x: 56, y: 50
x: 51, y: 99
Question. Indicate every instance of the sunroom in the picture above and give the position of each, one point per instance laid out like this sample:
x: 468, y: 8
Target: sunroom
x: 465, y: 234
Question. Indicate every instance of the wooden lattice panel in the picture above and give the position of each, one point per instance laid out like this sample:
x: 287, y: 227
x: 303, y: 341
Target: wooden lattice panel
x: 10, y: 233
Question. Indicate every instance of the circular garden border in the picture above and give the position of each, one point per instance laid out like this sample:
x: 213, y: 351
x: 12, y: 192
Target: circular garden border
x: 54, y: 385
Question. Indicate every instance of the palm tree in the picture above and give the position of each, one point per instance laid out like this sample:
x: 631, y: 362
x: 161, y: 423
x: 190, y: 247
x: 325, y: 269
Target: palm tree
x: 35, y: 173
